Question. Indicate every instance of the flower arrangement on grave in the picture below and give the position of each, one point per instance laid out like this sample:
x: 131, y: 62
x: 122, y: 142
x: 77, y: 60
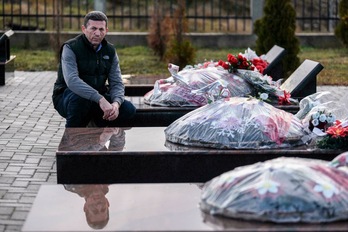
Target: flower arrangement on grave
x: 321, y: 120
x: 336, y: 137
x: 240, y: 61
x: 284, y: 99
x: 274, y: 191
x: 235, y: 62
x: 252, y: 70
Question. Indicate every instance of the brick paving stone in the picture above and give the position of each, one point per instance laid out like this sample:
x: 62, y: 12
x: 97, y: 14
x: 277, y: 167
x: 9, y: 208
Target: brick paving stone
x: 27, y: 172
x: 6, y: 211
x: 19, y: 215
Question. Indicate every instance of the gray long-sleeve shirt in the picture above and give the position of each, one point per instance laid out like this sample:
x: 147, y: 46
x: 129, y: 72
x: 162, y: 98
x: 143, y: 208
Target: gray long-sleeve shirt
x: 81, y: 88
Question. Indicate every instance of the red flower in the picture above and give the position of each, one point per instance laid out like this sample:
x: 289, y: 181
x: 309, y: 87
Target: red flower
x: 336, y: 131
x: 284, y: 100
x: 260, y: 68
x: 232, y: 59
x: 224, y: 64
x: 260, y: 64
x: 241, y: 57
x: 245, y: 64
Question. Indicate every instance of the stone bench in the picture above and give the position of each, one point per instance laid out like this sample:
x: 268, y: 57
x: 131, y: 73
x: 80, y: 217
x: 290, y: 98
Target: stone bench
x: 6, y: 59
x: 142, y: 155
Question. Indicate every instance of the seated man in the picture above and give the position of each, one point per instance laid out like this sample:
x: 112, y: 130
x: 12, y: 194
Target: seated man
x: 87, y: 63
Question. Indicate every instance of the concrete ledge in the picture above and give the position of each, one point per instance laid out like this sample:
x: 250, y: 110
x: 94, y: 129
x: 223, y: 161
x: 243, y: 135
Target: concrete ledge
x: 39, y: 39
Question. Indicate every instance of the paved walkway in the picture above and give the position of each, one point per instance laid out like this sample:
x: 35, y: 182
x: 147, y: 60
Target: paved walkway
x: 30, y: 132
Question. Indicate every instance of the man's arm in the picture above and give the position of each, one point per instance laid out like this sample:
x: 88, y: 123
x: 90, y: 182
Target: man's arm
x: 72, y: 79
x: 116, y: 86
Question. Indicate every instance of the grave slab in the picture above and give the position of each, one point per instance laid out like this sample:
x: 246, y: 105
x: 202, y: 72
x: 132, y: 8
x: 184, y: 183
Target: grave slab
x: 142, y: 155
x: 139, y: 207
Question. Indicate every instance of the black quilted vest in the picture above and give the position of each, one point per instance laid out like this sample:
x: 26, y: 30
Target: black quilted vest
x: 93, y: 67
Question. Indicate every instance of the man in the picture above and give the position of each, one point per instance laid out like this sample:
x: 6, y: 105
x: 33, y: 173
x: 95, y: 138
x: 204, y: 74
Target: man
x: 87, y: 63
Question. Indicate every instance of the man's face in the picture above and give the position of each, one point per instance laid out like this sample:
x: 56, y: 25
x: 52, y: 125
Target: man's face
x: 95, y: 31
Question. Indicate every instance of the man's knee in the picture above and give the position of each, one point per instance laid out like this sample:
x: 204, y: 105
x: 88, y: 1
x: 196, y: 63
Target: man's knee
x: 127, y: 110
x: 77, y: 110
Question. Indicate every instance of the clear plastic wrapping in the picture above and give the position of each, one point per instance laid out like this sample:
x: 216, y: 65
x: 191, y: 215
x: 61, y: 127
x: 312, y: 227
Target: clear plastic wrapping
x: 282, y: 190
x: 237, y: 123
x: 183, y: 87
x: 321, y: 101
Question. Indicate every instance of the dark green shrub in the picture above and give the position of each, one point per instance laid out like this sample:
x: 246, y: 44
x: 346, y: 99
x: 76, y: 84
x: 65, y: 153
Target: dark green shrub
x: 341, y: 31
x: 277, y: 27
x: 179, y: 49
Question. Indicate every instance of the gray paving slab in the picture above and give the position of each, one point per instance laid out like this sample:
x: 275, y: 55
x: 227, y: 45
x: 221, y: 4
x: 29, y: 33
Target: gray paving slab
x: 30, y: 132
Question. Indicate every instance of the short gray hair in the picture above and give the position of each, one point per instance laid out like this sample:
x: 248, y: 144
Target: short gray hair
x: 95, y: 16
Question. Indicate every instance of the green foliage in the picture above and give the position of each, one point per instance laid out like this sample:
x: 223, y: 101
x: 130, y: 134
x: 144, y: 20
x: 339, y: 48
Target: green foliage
x: 167, y: 39
x: 341, y: 31
x: 180, y: 53
x: 34, y: 60
x: 340, y: 143
x: 277, y: 27
x: 180, y: 50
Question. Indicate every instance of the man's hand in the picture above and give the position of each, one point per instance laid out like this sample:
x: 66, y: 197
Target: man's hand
x: 110, y: 110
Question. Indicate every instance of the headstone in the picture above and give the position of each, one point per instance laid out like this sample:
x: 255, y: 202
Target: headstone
x: 303, y: 81
x: 274, y: 58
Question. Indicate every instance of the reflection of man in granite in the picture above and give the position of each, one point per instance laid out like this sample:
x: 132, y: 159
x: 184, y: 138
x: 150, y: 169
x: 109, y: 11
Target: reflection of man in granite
x: 96, y: 205
x: 95, y: 139
x: 112, y: 139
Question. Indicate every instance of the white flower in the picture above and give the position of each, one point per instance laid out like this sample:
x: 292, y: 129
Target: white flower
x: 316, y: 115
x: 267, y: 186
x: 264, y: 96
x: 327, y: 190
x: 331, y: 118
x: 322, y: 118
x: 315, y: 122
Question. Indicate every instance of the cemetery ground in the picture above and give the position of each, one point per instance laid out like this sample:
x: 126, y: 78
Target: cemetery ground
x: 31, y: 130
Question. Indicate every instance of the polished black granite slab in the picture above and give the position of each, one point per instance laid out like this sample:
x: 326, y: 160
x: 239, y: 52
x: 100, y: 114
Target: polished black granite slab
x: 138, y: 207
x: 142, y: 155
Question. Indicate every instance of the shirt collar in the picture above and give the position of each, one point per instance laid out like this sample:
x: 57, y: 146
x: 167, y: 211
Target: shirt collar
x: 99, y: 47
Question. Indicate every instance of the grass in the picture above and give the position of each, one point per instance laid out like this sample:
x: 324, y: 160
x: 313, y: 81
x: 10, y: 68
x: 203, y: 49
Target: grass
x: 140, y: 61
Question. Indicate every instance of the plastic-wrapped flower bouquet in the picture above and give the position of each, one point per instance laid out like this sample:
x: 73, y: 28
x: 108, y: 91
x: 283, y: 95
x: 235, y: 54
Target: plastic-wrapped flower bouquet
x: 321, y: 120
x: 336, y: 137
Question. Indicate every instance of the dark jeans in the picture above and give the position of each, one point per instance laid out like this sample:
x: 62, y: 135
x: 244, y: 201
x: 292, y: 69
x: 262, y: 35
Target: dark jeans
x: 79, y: 111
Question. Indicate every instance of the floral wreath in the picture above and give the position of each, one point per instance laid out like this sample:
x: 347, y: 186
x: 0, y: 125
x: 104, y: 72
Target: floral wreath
x: 266, y: 90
